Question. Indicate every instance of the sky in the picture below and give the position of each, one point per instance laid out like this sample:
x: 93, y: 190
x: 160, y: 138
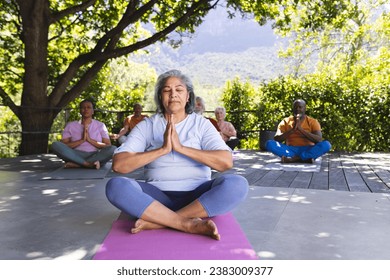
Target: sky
x: 219, y: 34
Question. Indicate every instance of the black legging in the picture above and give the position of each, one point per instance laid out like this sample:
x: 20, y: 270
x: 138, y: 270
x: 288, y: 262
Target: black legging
x: 232, y: 143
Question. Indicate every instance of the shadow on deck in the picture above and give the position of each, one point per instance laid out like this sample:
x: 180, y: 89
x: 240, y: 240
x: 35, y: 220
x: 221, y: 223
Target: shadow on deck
x: 339, y: 212
x: 362, y: 172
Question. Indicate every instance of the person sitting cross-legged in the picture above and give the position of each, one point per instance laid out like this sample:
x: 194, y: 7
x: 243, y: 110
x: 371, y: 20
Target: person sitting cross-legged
x: 129, y: 123
x: 177, y: 148
x: 228, y: 132
x: 84, y: 143
x: 302, y: 136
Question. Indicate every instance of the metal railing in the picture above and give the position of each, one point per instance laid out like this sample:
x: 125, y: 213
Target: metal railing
x: 10, y: 140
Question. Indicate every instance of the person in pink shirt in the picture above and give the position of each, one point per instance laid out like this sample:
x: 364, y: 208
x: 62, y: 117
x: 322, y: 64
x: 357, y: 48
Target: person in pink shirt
x: 85, y: 143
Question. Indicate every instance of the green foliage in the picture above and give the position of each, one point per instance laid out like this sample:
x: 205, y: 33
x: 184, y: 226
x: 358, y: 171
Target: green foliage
x: 348, y: 91
x: 52, y: 51
x: 353, y: 115
x: 354, y: 33
x: 52, y: 54
x: 9, y: 133
x: 11, y: 65
x: 238, y: 99
x: 270, y: 109
x: 116, y: 89
x: 300, y: 14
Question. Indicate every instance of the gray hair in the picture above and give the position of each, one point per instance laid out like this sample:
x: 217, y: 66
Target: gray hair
x: 220, y: 109
x: 161, y: 83
x: 202, y: 103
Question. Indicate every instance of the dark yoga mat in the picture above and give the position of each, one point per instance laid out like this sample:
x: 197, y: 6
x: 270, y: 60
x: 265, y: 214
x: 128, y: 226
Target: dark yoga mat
x: 78, y: 173
x: 169, y: 244
x: 137, y: 174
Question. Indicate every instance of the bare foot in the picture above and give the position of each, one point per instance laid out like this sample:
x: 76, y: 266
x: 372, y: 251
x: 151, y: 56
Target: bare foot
x: 296, y: 159
x: 291, y: 159
x: 310, y: 160
x: 193, y: 225
x: 97, y: 164
x: 93, y: 165
x: 141, y: 225
x: 204, y: 227
x: 71, y: 165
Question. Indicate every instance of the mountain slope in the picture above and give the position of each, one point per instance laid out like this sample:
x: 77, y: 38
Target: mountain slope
x: 215, y: 68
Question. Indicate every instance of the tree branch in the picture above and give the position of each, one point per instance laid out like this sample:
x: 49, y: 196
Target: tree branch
x: 72, y: 10
x: 81, y: 85
x: 62, y: 29
x: 57, y: 93
x: 105, y: 49
x: 114, y: 53
x: 7, y: 101
x: 131, y: 15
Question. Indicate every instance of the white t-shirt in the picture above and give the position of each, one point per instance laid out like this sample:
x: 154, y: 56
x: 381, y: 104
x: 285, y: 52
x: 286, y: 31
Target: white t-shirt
x: 174, y: 171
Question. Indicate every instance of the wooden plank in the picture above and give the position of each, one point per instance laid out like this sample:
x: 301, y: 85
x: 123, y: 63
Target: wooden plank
x: 250, y: 159
x: 255, y: 176
x: 363, y: 172
x: 268, y: 178
x: 337, y: 179
x: 302, y: 180
x: 319, y: 181
x: 325, y: 163
x: 374, y: 183
x: 384, y: 175
x: 354, y: 179
x: 377, y: 161
x: 380, y: 164
x: 285, y: 179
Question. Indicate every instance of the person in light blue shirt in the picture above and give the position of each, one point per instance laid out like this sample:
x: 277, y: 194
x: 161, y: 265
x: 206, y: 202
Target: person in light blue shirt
x: 177, y: 148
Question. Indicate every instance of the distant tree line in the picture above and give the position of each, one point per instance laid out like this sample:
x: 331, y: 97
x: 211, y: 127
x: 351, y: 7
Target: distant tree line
x: 353, y: 116
x: 349, y: 89
x: 83, y: 46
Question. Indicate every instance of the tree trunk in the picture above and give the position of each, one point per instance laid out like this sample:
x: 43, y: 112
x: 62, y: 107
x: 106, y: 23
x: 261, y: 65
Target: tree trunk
x: 36, y: 126
x: 35, y: 118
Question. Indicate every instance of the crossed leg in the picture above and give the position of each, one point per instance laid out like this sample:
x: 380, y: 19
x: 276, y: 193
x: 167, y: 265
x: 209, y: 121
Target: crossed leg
x: 153, y: 207
x: 187, y: 219
x: 94, y: 165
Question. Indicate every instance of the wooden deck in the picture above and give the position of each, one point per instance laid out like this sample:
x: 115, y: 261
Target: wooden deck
x: 360, y: 172
x: 355, y: 172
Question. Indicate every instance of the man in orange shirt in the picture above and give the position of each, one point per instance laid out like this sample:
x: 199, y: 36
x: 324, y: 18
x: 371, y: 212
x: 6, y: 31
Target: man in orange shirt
x: 302, y: 136
x: 129, y: 123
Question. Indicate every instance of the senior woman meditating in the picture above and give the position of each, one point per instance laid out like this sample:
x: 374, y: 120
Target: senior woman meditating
x: 177, y: 148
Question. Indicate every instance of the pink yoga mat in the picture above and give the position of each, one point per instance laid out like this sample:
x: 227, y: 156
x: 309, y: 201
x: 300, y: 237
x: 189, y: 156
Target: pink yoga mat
x: 168, y: 244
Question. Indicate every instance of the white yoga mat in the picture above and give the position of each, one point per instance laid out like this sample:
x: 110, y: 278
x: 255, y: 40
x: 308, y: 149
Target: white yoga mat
x: 301, y: 167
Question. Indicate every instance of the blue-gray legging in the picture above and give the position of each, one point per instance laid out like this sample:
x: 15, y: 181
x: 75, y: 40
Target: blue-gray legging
x: 304, y: 152
x: 68, y: 154
x: 217, y: 196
